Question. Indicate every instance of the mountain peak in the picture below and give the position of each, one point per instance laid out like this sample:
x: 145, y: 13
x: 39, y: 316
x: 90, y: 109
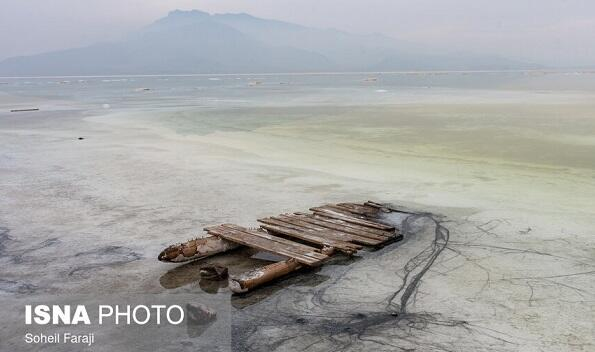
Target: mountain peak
x: 194, y: 41
x: 178, y: 18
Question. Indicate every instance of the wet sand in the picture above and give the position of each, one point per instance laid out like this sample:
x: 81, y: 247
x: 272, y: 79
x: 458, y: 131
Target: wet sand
x: 510, y: 174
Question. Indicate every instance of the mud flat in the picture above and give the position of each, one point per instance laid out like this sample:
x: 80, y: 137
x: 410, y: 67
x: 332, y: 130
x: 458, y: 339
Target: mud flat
x: 501, y: 259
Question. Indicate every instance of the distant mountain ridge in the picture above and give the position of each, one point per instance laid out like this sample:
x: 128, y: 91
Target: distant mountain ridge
x: 187, y: 42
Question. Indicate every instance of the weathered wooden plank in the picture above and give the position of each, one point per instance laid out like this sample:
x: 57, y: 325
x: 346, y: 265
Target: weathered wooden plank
x: 277, y: 244
x: 300, y: 247
x: 342, y: 246
x: 338, y: 232
x: 350, y: 225
x: 325, y: 231
x: 250, y: 240
x: 319, y: 231
x: 297, y: 247
x: 321, y: 234
x: 343, y: 226
x: 355, y: 227
x: 292, y: 225
x: 360, y: 209
x: 346, y: 212
x: 342, y: 216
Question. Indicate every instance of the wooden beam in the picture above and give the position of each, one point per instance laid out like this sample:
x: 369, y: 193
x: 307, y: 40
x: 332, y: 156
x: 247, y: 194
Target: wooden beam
x: 254, y: 278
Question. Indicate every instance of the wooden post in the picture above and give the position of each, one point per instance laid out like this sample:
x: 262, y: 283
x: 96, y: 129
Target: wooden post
x: 196, y: 249
x: 251, y: 279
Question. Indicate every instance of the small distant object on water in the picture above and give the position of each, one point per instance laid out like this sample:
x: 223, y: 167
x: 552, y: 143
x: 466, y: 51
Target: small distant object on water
x: 214, y: 79
x: 24, y: 110
x: 105, y: 106
x: 371, y: 79
x: 254, y: 83
x: 81, y: 138
x: 142, y: 89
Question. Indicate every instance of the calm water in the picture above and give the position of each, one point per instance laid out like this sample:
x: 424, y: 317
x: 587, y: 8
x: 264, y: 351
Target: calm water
x: 543, y: 118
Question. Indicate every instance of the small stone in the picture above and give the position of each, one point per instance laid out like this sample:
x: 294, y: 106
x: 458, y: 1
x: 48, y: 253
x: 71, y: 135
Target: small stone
x: 213, y: 272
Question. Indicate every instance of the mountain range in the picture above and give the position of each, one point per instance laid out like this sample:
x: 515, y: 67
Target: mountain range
x: 189, y: 42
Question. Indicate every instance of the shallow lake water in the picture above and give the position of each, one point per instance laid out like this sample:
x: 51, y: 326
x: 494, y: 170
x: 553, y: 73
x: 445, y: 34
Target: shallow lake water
x: 500, y: 164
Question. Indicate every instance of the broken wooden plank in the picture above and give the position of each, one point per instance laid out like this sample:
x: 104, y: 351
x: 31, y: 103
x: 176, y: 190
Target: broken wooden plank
x: 345, y: 247
x: 251, y: 279
x: 344, y: 226
x: 247, y: 239
x: 342, y: 216
x: 337, y: 233
x: 196, y: 249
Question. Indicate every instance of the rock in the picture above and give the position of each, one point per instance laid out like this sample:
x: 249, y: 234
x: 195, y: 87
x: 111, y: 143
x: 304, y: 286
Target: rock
x: 213, y: 272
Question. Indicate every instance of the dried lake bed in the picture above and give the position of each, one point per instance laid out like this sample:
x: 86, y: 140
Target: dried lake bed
x: 504, y: 162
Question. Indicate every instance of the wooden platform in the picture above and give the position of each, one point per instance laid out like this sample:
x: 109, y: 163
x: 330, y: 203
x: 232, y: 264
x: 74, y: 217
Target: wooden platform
x: 304, y: 239
x: 343, y: 227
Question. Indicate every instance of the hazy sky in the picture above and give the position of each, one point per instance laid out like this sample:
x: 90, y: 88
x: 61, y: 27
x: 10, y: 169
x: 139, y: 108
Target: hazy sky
x: 553, y: 32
